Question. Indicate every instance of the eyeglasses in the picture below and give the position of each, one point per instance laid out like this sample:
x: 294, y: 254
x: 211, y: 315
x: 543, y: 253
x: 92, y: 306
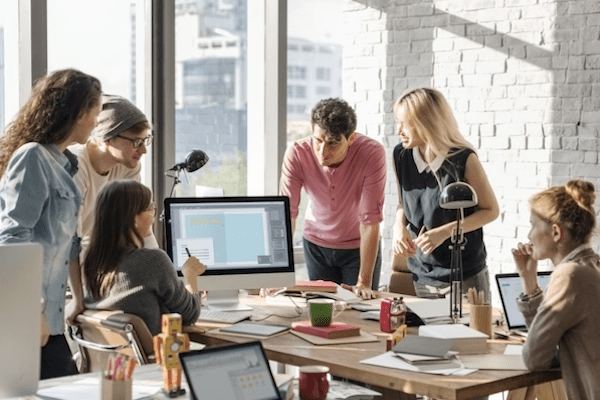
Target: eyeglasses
x: 152, y: 208
x: 137, y: 143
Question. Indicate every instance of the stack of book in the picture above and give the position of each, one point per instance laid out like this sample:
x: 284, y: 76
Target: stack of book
x: 336, y: 330
x: 465, y: 340
x: 313, y: 286
x: 424, y: 350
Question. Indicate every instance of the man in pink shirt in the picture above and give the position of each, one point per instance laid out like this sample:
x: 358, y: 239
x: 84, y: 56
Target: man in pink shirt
x: 344, y: 174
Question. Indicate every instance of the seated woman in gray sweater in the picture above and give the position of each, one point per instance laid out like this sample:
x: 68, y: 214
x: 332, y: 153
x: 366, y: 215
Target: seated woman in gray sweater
x: 120, y: 274
x: 563, y: 321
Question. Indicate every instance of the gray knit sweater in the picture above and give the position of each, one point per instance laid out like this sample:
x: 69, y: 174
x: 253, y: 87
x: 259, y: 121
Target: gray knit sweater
x: 567, y: 316
x: 147, y: 285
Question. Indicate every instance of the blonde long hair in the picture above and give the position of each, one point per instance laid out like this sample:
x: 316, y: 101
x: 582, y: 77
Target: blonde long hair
x: 428, y: 112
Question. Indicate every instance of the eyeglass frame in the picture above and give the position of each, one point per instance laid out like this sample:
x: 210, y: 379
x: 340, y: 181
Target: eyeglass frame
x: 137, y: 143
x: 153, y: 208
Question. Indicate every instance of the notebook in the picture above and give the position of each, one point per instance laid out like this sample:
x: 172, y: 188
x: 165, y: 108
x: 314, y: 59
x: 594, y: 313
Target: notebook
x: 229, y: 372
x: 510, y: 287
x: 20, y: 310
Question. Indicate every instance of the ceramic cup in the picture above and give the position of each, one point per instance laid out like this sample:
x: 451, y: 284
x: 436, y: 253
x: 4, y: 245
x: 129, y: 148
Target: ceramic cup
x: 322, y: 311
x: 313, y: 382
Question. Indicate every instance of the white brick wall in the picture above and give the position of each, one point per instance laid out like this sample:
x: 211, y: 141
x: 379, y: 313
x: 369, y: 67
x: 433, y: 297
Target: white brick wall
x: 523, y: 77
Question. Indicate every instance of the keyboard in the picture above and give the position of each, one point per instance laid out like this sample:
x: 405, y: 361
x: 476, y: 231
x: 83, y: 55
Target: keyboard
x: 228, y: 317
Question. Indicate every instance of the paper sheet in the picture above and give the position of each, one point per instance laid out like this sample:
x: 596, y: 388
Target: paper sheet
x: 389, y: 360
x: 89, y: 388
x: 490, y: 361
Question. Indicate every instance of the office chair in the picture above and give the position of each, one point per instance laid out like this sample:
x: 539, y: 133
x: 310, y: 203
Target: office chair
x: 401, y: 279
x: 97, y: 333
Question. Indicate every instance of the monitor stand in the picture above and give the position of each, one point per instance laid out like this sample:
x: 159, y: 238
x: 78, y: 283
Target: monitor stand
x: 225, y: 300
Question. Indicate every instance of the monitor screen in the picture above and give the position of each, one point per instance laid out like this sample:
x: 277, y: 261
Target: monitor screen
x: 246, y: 242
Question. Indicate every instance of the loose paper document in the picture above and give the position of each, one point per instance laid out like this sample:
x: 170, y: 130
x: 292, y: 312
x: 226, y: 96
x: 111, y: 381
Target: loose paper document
x: 389, y: 360
x: 493, y: 361
x: 430, y: 310
x: 89, y: 388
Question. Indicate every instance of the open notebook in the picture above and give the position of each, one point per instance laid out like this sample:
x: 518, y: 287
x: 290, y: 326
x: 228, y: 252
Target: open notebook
x: 236, y: 371
x: 510, y: 287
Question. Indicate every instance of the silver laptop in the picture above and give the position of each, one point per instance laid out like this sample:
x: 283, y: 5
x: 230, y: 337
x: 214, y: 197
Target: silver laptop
x: 20, y: 310
x: 229, y: 372
x: 510, y: 287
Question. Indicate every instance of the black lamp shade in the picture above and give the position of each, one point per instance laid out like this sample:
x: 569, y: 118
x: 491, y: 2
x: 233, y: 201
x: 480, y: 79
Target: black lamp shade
x: 458, y: 195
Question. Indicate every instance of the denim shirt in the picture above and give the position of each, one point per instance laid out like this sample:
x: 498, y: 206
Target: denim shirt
x: 38, y: 203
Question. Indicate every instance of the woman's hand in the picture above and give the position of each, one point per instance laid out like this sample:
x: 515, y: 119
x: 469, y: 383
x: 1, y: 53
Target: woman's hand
x: 428, y: 241
x: 526, y: 266
x: 403, y: 244
x: 192, y: 268
x: 45, y: 331
x: 73, y: 309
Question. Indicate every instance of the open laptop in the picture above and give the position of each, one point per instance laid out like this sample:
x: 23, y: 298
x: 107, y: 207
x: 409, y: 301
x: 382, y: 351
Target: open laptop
x: 229, y: 372
x: 510, y: 287
x: 20, y: 310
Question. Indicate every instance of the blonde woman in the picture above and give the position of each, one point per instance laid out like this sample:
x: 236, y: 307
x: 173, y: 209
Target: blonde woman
x: 431, y: 155
x: 563, y: 321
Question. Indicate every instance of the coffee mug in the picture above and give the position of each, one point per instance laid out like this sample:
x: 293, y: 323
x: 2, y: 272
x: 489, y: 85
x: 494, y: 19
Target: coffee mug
x: 313, y: 383
x: 321, y: 311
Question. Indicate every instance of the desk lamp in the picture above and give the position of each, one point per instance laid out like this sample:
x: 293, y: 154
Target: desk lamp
x: 457, y: 196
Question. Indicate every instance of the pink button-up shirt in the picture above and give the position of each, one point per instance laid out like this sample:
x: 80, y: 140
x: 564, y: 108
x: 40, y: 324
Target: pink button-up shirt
x: 341, y: 198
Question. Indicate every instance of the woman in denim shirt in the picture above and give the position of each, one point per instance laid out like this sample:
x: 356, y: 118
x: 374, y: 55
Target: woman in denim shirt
x: 39, y: 199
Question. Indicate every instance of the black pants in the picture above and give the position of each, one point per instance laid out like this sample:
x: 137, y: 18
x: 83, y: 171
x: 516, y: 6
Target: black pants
x: 57, y: 359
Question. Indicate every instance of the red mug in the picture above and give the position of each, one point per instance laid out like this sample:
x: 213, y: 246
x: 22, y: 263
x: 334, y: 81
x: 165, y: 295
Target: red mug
x: 313, y: 383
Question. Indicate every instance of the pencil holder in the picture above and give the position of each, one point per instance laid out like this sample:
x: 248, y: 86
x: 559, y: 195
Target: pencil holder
x: 481, y: 318
x: 115, y: 390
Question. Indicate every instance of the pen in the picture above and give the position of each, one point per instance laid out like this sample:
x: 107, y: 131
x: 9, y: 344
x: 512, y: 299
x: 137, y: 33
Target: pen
x: 188, y: 252
x: 421, y: 231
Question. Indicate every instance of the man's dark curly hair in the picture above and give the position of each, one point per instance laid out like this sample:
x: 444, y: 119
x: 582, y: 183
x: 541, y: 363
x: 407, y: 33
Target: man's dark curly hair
x: 336, y: 117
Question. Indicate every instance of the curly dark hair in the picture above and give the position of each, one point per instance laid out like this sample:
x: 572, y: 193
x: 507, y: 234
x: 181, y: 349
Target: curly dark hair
x: 336, y: 117
x: 570, y: 206
x: 56, y: 103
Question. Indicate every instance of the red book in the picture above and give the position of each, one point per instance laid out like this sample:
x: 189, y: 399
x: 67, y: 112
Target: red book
x: 334, y: 331
x: 313, y: 286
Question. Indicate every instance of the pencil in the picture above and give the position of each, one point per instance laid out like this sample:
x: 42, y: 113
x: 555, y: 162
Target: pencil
x: 421, y: 231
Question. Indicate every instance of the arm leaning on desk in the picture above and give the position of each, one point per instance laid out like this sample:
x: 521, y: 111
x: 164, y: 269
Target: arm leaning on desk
x: 343, y: 360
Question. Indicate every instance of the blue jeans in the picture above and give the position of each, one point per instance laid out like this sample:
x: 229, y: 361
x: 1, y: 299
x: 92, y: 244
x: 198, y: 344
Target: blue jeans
x: 337, y: 265
x: 479, y: 281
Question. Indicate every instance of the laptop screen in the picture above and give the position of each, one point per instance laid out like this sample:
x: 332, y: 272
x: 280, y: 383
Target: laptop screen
x: 230, y: 372
x: 510, y: 287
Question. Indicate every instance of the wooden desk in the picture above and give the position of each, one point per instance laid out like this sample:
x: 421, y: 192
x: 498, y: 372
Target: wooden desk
x: 344, y: 360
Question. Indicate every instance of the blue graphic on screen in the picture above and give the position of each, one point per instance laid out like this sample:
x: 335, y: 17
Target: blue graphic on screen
x: 236, y: 237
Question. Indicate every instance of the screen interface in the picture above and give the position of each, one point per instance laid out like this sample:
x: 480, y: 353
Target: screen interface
x: 228, y: 234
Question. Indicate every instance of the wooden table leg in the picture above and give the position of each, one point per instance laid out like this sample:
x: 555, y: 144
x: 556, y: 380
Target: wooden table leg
x: 526, y: 393
x: 554, y: 390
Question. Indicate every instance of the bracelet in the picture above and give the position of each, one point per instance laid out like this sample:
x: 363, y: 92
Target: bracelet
x: 534, y: 293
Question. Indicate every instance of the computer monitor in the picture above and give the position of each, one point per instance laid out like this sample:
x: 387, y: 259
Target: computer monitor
x: 246, y: 243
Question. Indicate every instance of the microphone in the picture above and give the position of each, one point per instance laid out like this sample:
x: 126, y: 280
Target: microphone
x: 194, y: 160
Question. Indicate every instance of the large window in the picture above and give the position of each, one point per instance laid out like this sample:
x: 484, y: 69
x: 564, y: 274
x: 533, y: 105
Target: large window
x: 211, y: 103
x: 103, y: 38
x: 315, y: 35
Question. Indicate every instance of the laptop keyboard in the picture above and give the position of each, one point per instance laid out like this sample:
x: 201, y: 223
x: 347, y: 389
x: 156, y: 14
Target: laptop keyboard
x: 227, y: 317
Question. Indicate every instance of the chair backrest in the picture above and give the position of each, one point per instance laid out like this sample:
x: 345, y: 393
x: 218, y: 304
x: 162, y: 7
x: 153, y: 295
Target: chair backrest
x: 401, y: 279
x: 97, y: 333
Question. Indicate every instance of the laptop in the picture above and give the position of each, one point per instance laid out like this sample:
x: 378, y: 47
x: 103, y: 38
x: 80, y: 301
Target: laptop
x: 510, y: 287
x: 229, y: 372
x: 20, y: 310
